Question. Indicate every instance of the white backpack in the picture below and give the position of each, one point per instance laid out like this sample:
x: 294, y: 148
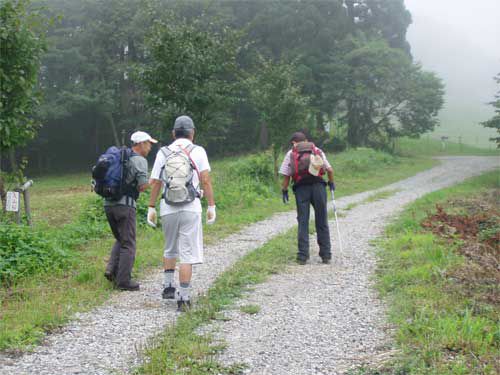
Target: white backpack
x: 177, y: 174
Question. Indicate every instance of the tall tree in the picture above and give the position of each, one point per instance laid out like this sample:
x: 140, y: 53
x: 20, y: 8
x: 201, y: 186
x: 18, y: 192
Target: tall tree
x: 494, y: 122
x: 86, y: 77
x: 383, y: 94
x: 281, y: 106
x: 191, y: 70
x: 22, y: 45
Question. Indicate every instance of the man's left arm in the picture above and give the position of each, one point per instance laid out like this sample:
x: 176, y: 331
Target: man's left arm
x: 142, y: 174
x: 329, y: 172
x: 285, y: 172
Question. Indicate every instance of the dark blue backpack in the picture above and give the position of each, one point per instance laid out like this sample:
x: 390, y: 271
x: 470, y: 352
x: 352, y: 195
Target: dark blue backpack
x: 110, y: 172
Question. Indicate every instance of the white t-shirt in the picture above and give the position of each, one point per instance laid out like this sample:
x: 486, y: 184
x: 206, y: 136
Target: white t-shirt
x: 199, y: 157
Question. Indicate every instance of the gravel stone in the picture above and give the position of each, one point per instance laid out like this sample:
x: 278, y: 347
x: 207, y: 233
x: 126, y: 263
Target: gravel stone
x: 313, y: 320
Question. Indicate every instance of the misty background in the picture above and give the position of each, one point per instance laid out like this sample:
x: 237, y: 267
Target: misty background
x: 459, y: 40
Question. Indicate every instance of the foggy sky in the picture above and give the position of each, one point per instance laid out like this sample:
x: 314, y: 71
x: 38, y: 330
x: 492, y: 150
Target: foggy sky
x: 460, y: 41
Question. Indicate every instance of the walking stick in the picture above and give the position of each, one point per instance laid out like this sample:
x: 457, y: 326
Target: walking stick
x: 337, y: 222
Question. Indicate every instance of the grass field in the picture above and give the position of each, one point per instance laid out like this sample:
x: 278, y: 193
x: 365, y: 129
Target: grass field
x: 442, y: 286
x: 432, y: 147
x: 34, y: 305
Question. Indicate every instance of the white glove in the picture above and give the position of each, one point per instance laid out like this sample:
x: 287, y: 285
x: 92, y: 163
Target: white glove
x: 211, y: 215
x: 152, y: 218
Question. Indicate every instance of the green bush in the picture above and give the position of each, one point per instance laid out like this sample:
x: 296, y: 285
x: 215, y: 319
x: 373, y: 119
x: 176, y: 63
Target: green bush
x: 256, y: 167
x: 364, y: 160
x: 245, y: 181
x: 25, y: 251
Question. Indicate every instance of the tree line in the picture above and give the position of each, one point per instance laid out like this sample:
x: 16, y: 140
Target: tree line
x: 248, y: 72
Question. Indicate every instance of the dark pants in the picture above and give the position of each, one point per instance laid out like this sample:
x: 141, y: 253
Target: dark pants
x: 315, y: 195
x: 121, y: 260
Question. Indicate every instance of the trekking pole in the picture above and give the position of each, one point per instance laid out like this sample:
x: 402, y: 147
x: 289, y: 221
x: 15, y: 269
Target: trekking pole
x: 337, y: 222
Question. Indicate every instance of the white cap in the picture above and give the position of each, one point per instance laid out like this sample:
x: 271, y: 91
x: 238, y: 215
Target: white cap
x: 139, y: 137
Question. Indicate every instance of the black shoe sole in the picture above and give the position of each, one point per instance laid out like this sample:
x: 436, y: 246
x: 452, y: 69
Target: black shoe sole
x: 109, y: 276
x: 128, y: 288
x: 183, y: 306
x: 326, y: 261
x: 170, y: 294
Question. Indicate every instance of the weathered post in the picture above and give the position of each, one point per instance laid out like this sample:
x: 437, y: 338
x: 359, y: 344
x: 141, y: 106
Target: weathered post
x: 26, y: 197
x: 14, y: 204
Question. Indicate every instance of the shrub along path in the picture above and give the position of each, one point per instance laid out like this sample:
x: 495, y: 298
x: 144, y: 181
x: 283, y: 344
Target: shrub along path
x: 109, y: 338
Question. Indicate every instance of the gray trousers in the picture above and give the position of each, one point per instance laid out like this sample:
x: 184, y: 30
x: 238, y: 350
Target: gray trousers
x: 121, y: 219
x: 315, y: 195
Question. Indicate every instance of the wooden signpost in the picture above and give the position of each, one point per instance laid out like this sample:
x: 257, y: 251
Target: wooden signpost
x: 13, y: 202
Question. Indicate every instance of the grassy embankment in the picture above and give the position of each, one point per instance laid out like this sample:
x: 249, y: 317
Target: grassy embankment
x: 439, y: 273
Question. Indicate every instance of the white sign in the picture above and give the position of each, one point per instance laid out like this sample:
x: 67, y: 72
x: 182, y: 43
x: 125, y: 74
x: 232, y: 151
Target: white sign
x: 12, y: 201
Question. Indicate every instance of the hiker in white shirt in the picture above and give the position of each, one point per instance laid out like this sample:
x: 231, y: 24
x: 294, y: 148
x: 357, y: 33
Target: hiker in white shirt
x: 181, y: 171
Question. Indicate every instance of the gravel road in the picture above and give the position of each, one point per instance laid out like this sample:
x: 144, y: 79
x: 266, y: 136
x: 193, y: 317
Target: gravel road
x: 327, y: 319
x: 318, y: 319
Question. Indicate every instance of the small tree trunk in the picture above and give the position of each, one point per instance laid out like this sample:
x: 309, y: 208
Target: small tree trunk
x: 14, y: 166
x: 111, y: 121
x: 276, y: 151
x: 3, y: 194
x: 263, y: 137
x: 320, y: 122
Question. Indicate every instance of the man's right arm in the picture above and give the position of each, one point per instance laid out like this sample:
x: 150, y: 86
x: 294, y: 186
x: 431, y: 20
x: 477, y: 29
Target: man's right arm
x: 208, y: 191
x: 156, y: 186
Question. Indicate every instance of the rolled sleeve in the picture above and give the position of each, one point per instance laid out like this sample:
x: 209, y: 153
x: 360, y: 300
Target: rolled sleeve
x: 328, y: 167
x: 285, y: 169
x: 158, y: 165
x: 200, y: 157
x: 141, y: 171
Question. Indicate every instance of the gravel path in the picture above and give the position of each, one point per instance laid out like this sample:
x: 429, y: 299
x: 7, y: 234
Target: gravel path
x: 319, y: 319
x: 313, y: 325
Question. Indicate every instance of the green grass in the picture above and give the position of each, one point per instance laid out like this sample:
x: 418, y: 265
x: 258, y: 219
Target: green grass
x: 250, y: 309
x: 180, y: 349
x: 428, y: 146
x: 438, y: 329
x: 381, y: 195
x: 41, y: 303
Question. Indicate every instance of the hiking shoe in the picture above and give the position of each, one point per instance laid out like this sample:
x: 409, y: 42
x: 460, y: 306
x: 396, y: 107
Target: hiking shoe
x: 168, y: 292
x: 183, y: 306
x: 108, y: 275
x: 326, y: 260
x: 131, y: 286
x: 301, y: 261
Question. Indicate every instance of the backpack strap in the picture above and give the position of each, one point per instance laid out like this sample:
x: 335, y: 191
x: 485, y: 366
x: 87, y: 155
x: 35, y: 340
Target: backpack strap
x: 295, y: 155
x: 166, y: 151
x: 187, y: 151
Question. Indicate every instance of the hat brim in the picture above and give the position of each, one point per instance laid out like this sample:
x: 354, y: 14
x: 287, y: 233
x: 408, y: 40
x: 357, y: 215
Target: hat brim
x: 152, y: 140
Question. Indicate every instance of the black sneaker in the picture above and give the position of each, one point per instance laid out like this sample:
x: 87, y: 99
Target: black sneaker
x: 168, y: 292
x: 301, y: 261
x: 131, y: 286
x: 108, y: 275
x: 326, y: 260
x: 183, y: 306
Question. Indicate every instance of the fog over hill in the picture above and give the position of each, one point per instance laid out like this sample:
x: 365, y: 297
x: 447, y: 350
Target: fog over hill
x: 460, y: 41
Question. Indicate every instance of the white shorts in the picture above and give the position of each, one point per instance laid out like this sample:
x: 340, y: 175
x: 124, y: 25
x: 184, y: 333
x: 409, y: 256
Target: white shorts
x: 183, y: 237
